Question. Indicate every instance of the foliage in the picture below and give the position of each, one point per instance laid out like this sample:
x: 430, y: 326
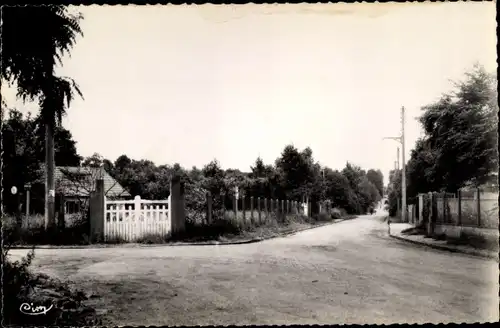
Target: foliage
x: 394, y: 191
x: 54, y: 36
x: 460, y: 143
x: 365, y: 192
x: 29, y: 57
x: 377, y: 179
x: 17, y: 281
x: 20, y: 285
x: 295, y: 176
x: 24, y: 153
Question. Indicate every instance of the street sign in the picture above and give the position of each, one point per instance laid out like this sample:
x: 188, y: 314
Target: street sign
x: 13, y: 190
x: 27, y: 186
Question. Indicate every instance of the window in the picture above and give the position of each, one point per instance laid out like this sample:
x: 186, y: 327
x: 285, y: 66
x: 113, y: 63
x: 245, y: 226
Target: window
x: 72, y: 207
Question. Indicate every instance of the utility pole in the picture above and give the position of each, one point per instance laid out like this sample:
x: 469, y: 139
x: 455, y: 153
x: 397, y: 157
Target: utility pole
x: 397, y: 161
x: 397, y: 170
x: 403, y: 173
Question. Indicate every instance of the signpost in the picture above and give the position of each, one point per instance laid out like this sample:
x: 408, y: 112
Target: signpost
x: 27, y: 187
x: 236, y: 196
x: 13, y: 190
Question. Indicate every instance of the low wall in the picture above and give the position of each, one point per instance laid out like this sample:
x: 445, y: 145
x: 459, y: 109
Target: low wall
x: 456, y: 231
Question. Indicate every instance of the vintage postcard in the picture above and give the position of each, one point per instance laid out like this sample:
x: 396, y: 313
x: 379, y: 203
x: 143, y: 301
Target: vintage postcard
x: 250, y: 164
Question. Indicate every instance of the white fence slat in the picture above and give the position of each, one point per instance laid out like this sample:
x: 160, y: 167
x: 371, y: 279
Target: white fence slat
x: 132, y: 219
x: 157, y: 220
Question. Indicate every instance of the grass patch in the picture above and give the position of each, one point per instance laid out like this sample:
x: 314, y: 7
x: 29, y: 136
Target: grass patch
x: 230, y: 226
x: 32, y: 232
x: 475, y: 241
x: 152, y: 239
x: 238, y: 227
x: 115, y: 240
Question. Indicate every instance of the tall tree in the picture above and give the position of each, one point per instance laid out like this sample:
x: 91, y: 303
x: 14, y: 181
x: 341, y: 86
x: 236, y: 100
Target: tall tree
x: 377, y: 178
x: 460, y: 143
x: 29, y: 57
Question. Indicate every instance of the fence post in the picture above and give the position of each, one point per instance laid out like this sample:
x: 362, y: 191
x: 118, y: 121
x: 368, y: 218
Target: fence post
x: 244, y: 221
x: 258, y: 210
x: 420, y: 208
x: 478, y: 192
x: 251, y: 210
x: 430, y: 221
x: 235, y: 207
x: 223, y: 204
x: 178, y: 211
x: 444, y: 207
x: 265, y: 208
x: 27, y: 188
x: 97, y: 207
x: 243, y: 206
x: 209, y: 207
x: 459, y: 193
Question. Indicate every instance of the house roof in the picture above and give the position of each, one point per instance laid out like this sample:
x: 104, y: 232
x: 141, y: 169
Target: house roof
x: 80, y: 181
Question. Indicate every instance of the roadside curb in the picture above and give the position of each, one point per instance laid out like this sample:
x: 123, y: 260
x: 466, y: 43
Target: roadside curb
x: 241, y: 242
x: 449, y: 249
x: 205, y: 243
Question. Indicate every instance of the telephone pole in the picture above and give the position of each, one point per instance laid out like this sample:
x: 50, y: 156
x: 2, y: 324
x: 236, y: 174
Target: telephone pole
x: 397, y: 160
x: 401, y: 140
x: 403, y: 173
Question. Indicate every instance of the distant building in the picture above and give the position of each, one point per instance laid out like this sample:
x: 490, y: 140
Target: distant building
x: 76, y: 183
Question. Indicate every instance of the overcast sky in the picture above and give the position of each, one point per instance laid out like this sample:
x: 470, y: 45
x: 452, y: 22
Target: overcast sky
x: 188, y: 84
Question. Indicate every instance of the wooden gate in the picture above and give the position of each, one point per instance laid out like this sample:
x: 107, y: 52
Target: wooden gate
x: 130, y: 220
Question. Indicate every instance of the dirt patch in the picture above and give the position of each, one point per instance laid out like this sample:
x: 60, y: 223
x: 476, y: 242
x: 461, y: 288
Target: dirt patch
x: 324, y: 248
x: 148, y: 297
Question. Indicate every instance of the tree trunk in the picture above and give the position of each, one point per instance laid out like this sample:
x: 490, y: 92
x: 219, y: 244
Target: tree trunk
x: 49, y: 178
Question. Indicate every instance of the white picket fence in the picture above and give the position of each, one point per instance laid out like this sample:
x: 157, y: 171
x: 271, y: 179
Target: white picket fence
x: 132, y: 219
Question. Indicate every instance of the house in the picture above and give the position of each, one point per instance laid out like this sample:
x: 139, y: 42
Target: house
x: 75, y: 185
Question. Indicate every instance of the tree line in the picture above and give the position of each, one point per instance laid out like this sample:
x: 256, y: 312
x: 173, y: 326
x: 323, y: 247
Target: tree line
x: 294, y: 175
x: 459, y: 146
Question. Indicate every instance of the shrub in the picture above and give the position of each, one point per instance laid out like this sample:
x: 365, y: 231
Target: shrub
x: 32, y: 231
x: 17, y: 282
x: 212, y: 231
x: 65, y: 304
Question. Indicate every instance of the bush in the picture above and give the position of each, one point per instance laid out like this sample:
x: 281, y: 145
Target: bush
x: 19, y: 287
x: 213, y: 231
x: 32, y: 231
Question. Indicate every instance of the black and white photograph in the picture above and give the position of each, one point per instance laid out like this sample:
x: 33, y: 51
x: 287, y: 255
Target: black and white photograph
x: 252, y: 164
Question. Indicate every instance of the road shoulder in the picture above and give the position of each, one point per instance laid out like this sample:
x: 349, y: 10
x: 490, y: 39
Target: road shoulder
x: 235, y: 241
x: 442, y: 245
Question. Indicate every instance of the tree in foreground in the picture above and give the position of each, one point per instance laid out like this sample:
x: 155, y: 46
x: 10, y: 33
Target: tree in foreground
x: 29, y: 58
x: 460, y: 143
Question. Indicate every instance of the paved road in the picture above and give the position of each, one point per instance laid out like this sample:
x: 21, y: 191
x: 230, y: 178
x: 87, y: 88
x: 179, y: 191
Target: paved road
x: 349, y: 272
